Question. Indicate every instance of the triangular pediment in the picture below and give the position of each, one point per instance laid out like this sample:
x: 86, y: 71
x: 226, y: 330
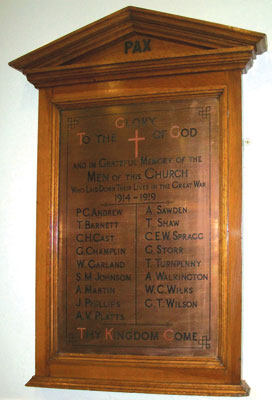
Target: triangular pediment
x: 134, y: 35
x: 135, y: 47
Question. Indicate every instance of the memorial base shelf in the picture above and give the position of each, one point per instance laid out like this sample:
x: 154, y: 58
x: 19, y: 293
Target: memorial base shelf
x: 207, y: 389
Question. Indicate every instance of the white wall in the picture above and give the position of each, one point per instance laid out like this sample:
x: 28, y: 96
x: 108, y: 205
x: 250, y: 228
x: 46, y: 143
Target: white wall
x: 28, y: 24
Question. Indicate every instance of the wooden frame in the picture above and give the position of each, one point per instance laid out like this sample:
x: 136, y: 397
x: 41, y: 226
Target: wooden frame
x: 70, y: 75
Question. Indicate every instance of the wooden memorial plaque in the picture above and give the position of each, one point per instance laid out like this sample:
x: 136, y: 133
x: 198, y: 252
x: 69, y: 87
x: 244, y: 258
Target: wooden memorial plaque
x: 139, y: 205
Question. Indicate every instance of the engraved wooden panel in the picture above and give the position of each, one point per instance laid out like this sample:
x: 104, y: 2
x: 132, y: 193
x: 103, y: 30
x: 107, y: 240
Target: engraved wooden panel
x: 139, y: 229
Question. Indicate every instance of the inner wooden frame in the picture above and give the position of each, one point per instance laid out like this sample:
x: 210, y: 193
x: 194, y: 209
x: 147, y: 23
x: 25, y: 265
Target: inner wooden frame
x: 184, y: 375
x: 204, y: 344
